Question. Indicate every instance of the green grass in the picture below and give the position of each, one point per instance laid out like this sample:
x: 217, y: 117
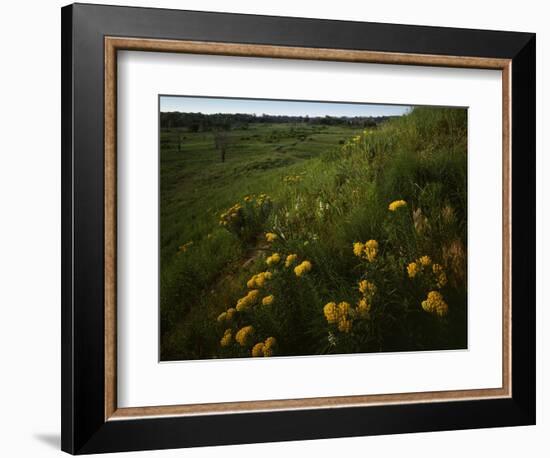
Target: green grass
x: 325, y: 191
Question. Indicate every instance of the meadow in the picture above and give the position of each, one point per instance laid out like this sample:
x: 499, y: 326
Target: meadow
x: 314, y: 239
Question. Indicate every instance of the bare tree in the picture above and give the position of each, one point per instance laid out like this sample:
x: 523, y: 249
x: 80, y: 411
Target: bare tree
x: 221, y: 142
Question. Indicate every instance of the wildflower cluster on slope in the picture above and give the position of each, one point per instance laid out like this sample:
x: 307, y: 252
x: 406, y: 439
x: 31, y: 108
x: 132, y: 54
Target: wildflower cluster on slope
x: 247, y: 301
x: 291, y: 259
x: 273, y: 259
x: 227, y: 315
x: 268, y: 300
x: 368, y: 290
x: 339, y: 314
x: 435, y: 304
x: 435, y: 275
x: 418, y: 266
x: 265, y: 348
x: 231, y: 215
x: 227, y: 338
x: 258, y: 280
x: 367, y: 250
x: 302, y: 268
x: 244, y: 335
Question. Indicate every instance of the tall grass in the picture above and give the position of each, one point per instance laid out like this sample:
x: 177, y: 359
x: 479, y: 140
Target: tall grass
x: 318, y: 209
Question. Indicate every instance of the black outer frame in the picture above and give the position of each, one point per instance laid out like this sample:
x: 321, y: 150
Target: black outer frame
x: 84, y: 429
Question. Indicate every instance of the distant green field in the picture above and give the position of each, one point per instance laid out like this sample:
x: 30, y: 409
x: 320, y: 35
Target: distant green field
x: 319, y: 189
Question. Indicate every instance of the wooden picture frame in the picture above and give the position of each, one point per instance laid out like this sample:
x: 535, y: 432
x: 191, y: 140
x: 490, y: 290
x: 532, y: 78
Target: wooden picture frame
x: 91, y: 420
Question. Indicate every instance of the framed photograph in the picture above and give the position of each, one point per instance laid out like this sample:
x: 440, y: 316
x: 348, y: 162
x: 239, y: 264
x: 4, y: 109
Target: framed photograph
x: 284, y: 228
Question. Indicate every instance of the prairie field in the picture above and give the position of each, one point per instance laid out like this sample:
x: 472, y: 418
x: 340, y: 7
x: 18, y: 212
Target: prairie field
x: 311, y: 239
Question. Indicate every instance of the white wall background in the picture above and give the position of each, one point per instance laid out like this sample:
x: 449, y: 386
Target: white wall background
x: 30, y: 225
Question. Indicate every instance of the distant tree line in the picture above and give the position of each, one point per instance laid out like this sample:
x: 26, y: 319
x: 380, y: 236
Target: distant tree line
x: 200, y: 122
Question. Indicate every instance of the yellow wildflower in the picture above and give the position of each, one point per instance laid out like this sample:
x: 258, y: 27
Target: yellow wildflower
x: 268, y: 300
x: 227, y: 217
x: 290, y: 259
x: 425, y: 261
x: 367, y: 288
x: 363, y: 307
x: 358, y: 248
x: 243, y: 335
x: 371, y: 250
x: 397, y: 204
x: 302, y: 268
x: 269, y: 345
x: 222, y: 317
x: 273, y: 259
x: 343, y: 308
x: 412, y: 269
x: 344, y: 325
x: 331, y: 312
x: 258, y: 280
x: 226, y: 339
x: 270, y: 342
x: 435, y: 304
x: 230, y: 313
x: 258, y: 349
x: 245, y: 302
x: 441, y: 277
x: 271, y: 237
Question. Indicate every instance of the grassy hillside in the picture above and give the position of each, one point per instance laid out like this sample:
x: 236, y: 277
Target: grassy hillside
x: 313, y: 284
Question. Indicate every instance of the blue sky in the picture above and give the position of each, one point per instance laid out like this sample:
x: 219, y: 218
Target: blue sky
x: 209, y: 105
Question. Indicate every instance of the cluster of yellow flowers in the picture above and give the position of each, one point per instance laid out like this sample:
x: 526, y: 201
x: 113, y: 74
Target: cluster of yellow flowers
x: 441, y: 277
x: 339, y: 314
x: 343, y: 314
x: 435, y: 304
x: 367, y: 250
x: 227, y: 338
x: 183, y: 248
x: 227, y: 315
x: 290, y: 259
x: 258, y: 280
x: 244, y: 335
x: 292, y: 179
x: 422, y: 263
x: 273, y: 259
x: 250, y: 299
x: 302, y: 268
x: 268, y: 300
x: 262, y: 199
x: 271, y: 237
x: 368, y: 290
x: 264, y: 348
x: 397, y: 204
x: 259, y: 200
x: 417, y: 266
x: 231, y: 214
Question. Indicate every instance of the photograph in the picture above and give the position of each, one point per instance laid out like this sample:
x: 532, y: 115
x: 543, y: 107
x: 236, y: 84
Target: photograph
x: 300, y: 228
